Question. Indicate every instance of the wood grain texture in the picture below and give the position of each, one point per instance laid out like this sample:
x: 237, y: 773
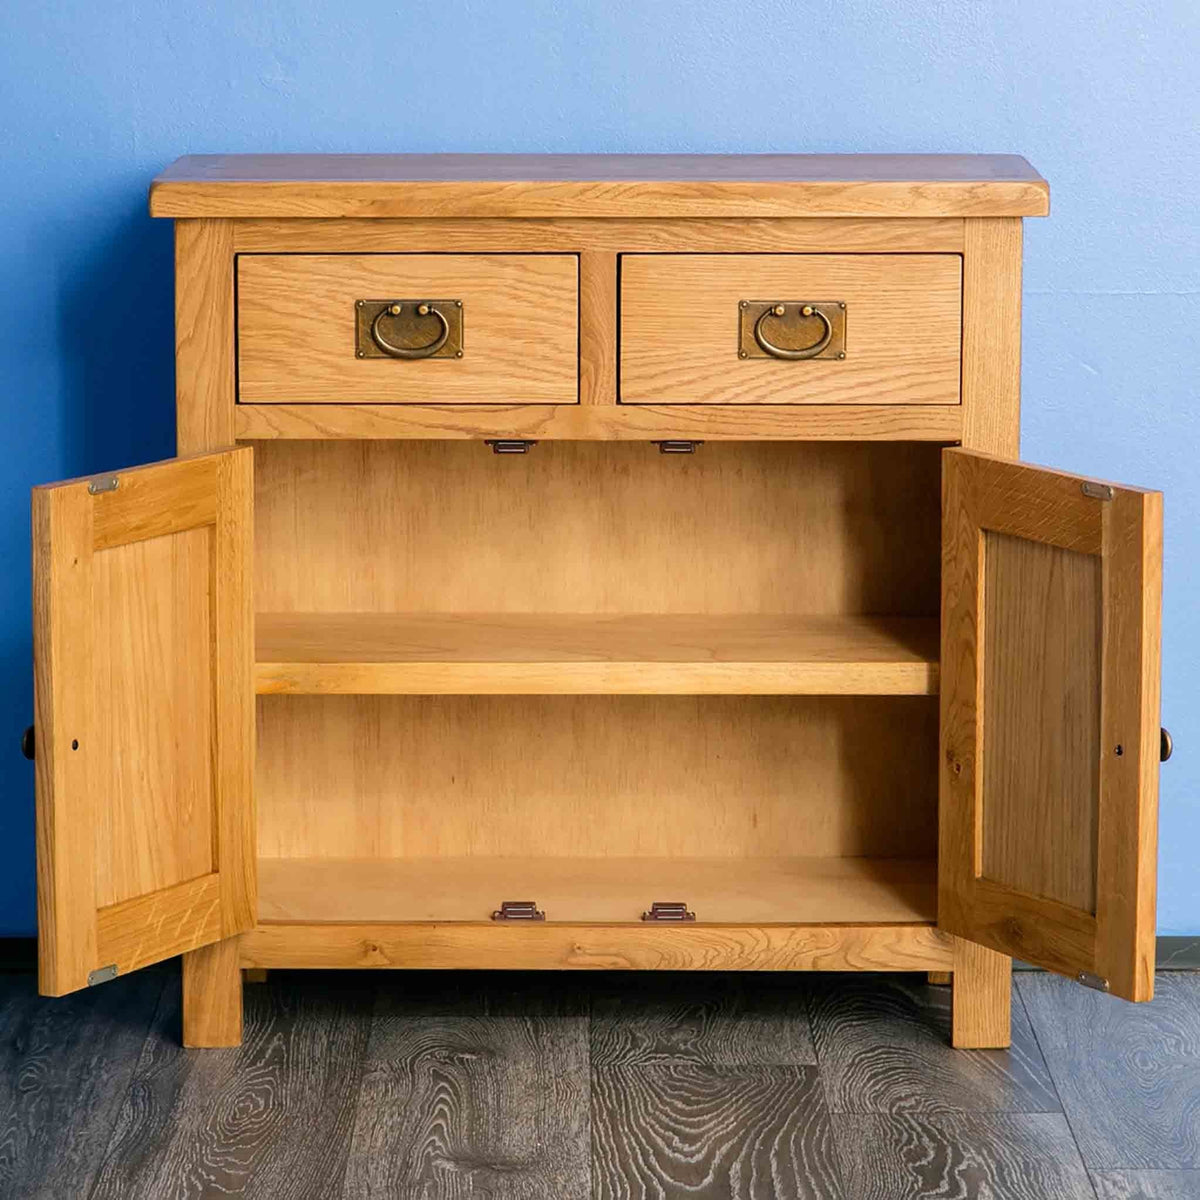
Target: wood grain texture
x: 976, y: 1156
x: 991, y: 336
x: 1025, y: 918
x: 781, y: 235
x: 566, y: 422
x: 609, y: 185
x: 982, y: 998
x: 65, y: 1069
x: 745, y: 891
x: 598, y: 327
x: 1127, y: 1076
x: 549, y: 946
x: 270, y: 1119
x: 680, y: 318
x: 743, y: 1133
x: 155, y: 827
x: 727, y: 777
x: 1043, y: 626
x: 736, y: 1020
x: 470, y: 1097
x: 540, y: 654
x: 135, y: 584
x: 212, y: 995
x: 592, y: 527
x: 204, y: 336
x: 296, y: 325
x: 1146, y: 1185
x: 884, y: 1047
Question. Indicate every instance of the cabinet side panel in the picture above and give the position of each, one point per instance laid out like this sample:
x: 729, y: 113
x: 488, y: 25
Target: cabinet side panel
x: 991, y: 350
x: 204, y: 336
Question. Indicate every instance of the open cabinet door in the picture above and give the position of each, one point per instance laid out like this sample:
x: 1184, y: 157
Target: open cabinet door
x: 144, y: 701
x: 1051, y: 598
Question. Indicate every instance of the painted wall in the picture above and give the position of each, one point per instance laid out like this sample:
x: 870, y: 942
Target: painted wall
x: 96, y: 98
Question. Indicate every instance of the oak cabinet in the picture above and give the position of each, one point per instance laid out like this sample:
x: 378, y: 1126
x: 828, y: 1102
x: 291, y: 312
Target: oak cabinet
x: 597, y: 563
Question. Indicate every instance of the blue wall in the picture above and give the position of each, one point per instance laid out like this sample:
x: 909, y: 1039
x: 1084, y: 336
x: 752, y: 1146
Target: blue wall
x: 96, y: 98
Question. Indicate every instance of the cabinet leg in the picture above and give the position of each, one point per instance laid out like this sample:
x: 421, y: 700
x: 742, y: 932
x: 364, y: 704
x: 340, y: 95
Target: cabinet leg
x: 212, y: 995
x: 982, y: 998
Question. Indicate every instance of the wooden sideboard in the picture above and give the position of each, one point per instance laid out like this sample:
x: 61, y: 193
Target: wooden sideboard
x: 597, y: 562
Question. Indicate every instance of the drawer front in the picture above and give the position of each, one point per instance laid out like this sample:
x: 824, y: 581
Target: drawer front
x: 685, y: 339
x: 302, y: 338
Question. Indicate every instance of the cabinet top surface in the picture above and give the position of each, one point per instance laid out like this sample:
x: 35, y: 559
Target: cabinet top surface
x: 599, y: 185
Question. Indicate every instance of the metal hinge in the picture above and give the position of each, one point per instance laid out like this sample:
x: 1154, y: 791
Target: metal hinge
x: 1098, y: 982
x: 1096, y: 491
x: 668, y: 910
x: 518, y: 910
x: 102, y: 974
x: 508, y: 445
x: 103, y: 483
x: 677, y: 446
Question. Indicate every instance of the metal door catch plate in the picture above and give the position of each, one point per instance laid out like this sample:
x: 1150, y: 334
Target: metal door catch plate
x: 102, y: 974
x: 103, y: 483
x: 800, y: 326
x: 1089, y: 980
x: 1096, y: 491
x: 668, y: 910
x: 518, y: 910
x: 411, y: 328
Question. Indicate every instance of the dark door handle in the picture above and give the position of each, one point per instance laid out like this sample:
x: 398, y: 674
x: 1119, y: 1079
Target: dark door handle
x: 1166, y: 745
x: 27, y: 743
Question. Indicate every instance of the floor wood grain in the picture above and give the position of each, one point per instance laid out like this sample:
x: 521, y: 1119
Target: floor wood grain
x: 473, y: 1095
x: 271, y: 1118
x: 967, y: 1156
x: 731, y: 1019
x: 1146, y: 1185
x: 711, y: 1133
x: 883, y: 1046
x: 1128, y: 1074
x: 531, y: 1086
x: 65, y: 1067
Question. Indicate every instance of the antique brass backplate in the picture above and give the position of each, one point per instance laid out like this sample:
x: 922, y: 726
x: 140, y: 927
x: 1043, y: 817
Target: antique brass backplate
x: 408, y: 329
x: 792, y: 329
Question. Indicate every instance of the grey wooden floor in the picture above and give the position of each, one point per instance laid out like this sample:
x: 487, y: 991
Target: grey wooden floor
x: 565, y: 1086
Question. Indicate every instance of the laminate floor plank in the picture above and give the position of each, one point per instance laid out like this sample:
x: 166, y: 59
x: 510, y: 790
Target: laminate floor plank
x: 963, y: 1156
x: 481, y: 1092
x: 271, y: 1118
x: 1128, y: 1074
x: 65, y: 1067
x: 661, y: 1131
x: 1146, y: 1185
x: 720, y: 1020
x: 883, y: 1045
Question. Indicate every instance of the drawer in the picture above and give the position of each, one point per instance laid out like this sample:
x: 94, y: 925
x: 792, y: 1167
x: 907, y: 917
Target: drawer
x: 685, y: 339
x: 304, y: 339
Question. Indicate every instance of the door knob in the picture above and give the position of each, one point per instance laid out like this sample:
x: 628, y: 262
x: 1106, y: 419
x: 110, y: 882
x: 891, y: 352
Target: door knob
x: 1166, y: 745
x: 27, y: 743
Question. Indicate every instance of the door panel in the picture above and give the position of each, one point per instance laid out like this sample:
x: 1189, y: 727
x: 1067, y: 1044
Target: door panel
x: 1050, y: 726
x: 144, y: 715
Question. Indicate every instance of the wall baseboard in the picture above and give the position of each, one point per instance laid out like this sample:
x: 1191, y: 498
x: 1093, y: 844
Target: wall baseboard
x: 1171, y: 954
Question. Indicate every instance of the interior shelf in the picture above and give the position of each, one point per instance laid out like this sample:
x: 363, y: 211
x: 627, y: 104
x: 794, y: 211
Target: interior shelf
x: 600, y: 890
x: 574, y: 654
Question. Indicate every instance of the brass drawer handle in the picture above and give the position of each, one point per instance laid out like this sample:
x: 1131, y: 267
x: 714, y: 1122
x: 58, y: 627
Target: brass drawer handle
x: 427, y: 351
x: 777, y: 310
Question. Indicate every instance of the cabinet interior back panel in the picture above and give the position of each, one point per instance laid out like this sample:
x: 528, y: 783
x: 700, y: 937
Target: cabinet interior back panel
x: 596, y: 776
x: 152, y: 704
x: 801, y: 528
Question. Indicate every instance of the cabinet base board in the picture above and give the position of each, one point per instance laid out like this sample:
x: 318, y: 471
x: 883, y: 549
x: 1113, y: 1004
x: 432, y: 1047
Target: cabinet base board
x: 554, y: 946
